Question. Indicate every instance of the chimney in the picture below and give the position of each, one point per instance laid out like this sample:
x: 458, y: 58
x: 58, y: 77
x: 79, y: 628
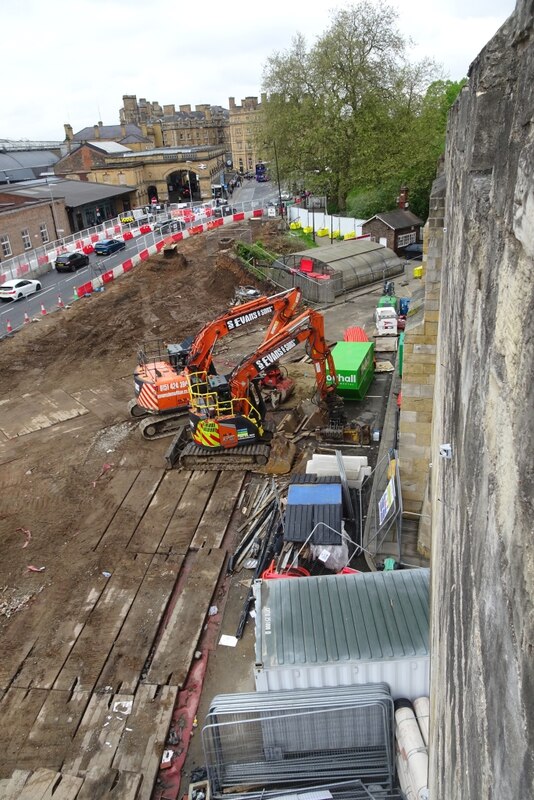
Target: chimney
x: 69, y: 133
x: 231, y: 102
x: 123, y: 131
x: 97, y: 131
x: 402, y: 199
x: 186, y: 109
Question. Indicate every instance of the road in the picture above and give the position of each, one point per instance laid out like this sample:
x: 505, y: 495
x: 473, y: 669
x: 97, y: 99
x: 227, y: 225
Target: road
x: 62, y: 285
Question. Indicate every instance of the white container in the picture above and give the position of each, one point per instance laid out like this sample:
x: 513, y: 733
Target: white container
x: 344, y: 630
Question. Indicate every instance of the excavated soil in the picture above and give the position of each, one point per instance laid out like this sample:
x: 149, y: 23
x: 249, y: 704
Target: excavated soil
x: 49, y: 479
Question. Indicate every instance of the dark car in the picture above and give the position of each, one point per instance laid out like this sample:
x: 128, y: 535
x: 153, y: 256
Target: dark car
x: 224, y: 211
x: 108, y: 246
x: 169, y: 226
x: 70, y: 262
x: 413, y: 251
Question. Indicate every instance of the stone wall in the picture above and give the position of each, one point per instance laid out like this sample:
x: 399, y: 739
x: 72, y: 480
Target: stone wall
x: 482, y: 690
x: 419, y: 367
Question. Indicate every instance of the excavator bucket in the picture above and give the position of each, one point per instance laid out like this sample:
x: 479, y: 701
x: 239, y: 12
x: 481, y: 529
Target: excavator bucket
x: 281, y: 456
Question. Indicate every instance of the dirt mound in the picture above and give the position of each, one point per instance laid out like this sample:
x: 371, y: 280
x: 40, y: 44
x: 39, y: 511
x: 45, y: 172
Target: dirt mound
x: 98, y: 336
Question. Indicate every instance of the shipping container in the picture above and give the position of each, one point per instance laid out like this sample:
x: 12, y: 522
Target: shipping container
x: 344, y: 630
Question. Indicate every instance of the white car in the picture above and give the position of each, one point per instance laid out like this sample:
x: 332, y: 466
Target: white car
x: 18, y: 288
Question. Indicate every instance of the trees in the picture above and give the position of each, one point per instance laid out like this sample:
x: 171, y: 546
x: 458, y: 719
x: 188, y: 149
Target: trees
x: 351, y: 113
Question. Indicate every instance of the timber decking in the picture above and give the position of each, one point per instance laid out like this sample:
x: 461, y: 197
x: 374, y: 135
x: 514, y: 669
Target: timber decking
x: 92, y: 668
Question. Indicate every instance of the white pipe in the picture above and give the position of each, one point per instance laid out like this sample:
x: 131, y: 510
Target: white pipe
x: 412, y: 751
x: 404, y: 778
x: 421, y: 706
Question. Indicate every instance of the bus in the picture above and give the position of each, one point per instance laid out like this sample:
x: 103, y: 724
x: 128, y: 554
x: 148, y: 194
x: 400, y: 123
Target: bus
x: 261, y: 172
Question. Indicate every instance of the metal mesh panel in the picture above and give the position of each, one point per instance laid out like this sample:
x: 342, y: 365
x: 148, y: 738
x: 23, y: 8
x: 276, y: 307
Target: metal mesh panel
x: 342, y: 790
x: 288, y: 747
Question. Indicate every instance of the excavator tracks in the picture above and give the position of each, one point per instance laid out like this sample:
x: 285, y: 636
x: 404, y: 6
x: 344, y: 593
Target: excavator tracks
x: 238, y: 458
x: 157, y: 426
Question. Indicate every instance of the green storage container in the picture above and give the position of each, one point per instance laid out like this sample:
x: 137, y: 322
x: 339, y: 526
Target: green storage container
x: 354, y: 362
x: 401, y: 353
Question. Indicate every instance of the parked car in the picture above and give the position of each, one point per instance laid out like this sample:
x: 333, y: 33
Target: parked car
x: 18, y: 288
x: 169, y: 226
x: 224, y: 211
x: 70, y: 262
x: 108, y: 246
x: 413, y: 251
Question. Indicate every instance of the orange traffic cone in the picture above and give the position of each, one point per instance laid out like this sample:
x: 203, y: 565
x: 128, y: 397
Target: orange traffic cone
x: 43, y: 310
x: 26, y: 318
x: 9, y: 328
x: 60, y: 303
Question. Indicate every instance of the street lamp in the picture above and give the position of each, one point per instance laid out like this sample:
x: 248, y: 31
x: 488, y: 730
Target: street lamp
x: 278, y: 178
x: 189, y: 182
x: 50, y: 175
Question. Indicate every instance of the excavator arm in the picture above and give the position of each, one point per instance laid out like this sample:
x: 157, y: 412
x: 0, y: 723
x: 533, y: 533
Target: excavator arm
x: 281, y: 306
x: 307, y: 328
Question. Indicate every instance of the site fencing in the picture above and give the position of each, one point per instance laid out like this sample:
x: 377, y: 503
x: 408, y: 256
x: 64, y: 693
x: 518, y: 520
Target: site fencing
x: 38, y: 261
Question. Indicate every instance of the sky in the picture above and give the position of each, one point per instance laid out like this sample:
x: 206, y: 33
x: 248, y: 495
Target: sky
x: 71, y: 62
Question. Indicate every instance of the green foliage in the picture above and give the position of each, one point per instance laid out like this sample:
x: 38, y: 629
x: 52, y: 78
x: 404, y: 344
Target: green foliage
x: 254, y: 252
x: 351, y: 111
x: 306, y: 238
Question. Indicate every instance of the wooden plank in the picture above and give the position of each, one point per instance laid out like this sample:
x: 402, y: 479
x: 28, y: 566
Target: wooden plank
x: 150, y: 719
x: 99, y: 734
x: 127, y: 658
x: 175, y: 650
x: 43, y: 784
x: 111, y: 784
x: 10, y: 788
x: 109, y: 494
x: 50, y: 736
x: 89, y: 654
x: 188, y: 513
x: 216, y: 517
x: 63, y: 787
x: 150, y: 530
x: 134, y: 505
x: 40, y: 411
x: 19, y: 710
x: 69, y: 604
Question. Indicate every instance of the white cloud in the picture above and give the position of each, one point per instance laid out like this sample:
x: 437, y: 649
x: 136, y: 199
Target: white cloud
x: 72, y: 62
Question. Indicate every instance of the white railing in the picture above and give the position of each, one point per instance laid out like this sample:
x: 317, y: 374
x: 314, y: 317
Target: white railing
x: 37, y: 261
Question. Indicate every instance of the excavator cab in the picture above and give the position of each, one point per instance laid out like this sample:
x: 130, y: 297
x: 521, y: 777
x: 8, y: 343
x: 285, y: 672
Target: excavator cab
x: 218, y: 420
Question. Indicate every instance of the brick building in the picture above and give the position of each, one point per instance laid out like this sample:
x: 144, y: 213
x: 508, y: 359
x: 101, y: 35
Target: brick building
x: 80, y: 163
x: 27, y: 222
x: 395, y: 229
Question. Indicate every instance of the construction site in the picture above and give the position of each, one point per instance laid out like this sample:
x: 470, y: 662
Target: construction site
x: 120, y: 575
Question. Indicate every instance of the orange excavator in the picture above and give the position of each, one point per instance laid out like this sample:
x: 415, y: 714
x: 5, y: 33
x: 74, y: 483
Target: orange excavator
x: 227, y: 414
x: 160, y: 379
